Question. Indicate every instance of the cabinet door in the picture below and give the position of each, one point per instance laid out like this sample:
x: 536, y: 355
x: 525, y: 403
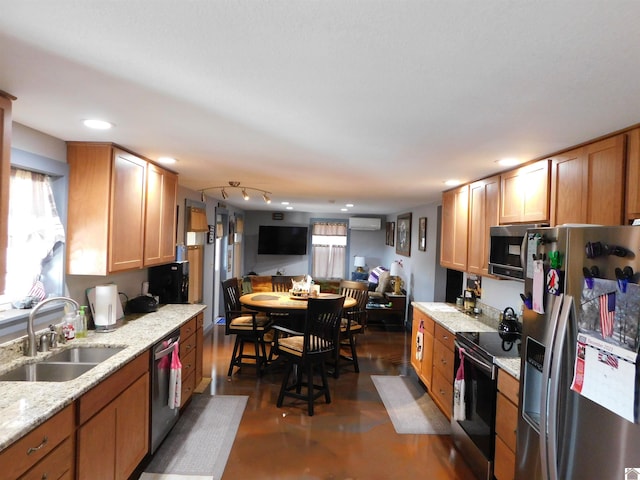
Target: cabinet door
x: 633, y: 174
x: 605, y: 182
x: 568, y: 185
x: 127, y: 212
x: 96, y: 451
x: 524, y: 194
x: 160, y: 224
x: 132, y: 427
x: 195, y: 255
x: 5, y: 173
x: 484, y: 212
x: 426, y: 366
x: 455, y: 218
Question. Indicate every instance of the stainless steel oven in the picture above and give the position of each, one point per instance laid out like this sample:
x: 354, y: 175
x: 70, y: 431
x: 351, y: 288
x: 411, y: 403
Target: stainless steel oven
x: 475, y: 435
x: 163, y: 418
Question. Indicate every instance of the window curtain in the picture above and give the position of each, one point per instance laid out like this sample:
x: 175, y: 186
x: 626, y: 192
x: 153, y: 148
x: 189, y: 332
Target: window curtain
x: 329, y: 250
x: 34, y: 230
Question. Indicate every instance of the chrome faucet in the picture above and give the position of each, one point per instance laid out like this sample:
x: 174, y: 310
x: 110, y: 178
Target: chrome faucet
x: 32, y: 347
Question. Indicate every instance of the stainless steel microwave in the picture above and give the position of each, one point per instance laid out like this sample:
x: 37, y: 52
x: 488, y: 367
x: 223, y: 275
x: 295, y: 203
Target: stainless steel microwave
x: 506, y: 250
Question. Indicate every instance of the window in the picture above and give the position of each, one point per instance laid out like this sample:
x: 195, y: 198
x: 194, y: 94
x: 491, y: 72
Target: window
x: 36, y: 238
x: 328, y: 249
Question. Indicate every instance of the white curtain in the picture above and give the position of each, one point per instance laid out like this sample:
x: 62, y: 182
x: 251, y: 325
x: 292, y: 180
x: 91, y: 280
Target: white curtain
x: 329, y: 250
x: 34, y: 229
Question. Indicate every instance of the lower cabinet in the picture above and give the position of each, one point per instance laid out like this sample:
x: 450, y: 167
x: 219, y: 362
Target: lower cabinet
x: 435, y: 368
x: 191, y: 356
x: 113, y: 435
x: 506, y: 426
x: 45, y: 452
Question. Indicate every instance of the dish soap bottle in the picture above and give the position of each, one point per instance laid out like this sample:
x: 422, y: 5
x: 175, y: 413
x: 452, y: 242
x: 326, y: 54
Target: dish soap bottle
x: 81, y: 323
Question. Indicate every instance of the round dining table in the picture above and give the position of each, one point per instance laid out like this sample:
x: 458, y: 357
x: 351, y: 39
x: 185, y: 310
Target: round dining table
x: 284, y: 302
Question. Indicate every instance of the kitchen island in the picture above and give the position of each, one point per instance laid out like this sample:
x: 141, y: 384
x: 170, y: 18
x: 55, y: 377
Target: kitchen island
x: 25, y: 405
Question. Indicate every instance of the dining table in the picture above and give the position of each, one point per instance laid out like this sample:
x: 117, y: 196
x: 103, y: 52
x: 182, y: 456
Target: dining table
x: 285, y: 302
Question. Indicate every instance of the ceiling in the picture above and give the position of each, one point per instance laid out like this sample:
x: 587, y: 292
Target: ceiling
x: 323, y: 103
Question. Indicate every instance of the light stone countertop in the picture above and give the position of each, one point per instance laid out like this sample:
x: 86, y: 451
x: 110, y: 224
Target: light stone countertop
x: 454, y: 320
x: 25, y: 405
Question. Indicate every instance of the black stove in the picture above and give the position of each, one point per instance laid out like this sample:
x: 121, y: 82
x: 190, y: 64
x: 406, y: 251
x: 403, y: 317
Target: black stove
x: 491, y: 344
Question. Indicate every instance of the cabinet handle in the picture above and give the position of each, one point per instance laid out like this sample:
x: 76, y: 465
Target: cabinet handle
x: 31, y: 450
x: 45, y: 476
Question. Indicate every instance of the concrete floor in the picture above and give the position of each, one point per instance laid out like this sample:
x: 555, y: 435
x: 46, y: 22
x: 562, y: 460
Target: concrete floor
x: 351, y: 438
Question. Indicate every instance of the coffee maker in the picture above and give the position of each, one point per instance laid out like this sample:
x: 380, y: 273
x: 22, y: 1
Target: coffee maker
x: 469, y: 300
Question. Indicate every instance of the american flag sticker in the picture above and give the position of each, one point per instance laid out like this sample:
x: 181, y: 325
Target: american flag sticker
x: 609, y: 359
x: 607, y: 303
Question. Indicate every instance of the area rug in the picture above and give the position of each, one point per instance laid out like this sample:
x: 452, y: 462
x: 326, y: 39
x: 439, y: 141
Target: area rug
x: 410, y: 408
x: 200, y: 442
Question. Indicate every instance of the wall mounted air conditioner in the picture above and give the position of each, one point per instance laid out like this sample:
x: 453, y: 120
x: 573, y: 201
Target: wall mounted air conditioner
x: 364, y: 223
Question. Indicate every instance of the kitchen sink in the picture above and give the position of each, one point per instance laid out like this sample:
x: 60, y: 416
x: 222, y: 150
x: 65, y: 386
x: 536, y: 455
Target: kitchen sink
x: 84, y: 354
x: 46, y: 372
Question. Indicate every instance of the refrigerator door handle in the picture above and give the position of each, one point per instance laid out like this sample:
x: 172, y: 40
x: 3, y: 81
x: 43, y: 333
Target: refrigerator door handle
x: 546, y: 385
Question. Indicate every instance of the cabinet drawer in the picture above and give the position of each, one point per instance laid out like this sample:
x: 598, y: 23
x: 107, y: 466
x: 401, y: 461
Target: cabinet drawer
x: 187, y: 345
x: 508, y: 386
x: 57, y: 465
x: 442, y: 393
x: 444, y: 336
x: 443, y: 359
x: 506, y: 421
x: 188, y: 386
x: 35, y: 445
x: 188, y: 363
x: 188, y: 329
x: 504, y: 465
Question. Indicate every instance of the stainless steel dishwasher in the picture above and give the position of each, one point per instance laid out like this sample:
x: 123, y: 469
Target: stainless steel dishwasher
x: 163, y: 418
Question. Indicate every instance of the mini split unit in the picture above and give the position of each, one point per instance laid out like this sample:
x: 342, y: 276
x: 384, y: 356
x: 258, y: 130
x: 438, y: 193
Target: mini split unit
x: 364, y: 223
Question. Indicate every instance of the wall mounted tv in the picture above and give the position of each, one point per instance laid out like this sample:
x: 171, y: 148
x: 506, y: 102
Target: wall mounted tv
x: 281, y: 240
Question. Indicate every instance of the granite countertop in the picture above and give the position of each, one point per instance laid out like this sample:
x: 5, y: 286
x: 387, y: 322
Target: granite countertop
x: 25, y: 405
x: 454, y: 320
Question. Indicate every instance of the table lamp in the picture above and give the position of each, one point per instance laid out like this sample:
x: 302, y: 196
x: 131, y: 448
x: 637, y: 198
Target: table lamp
x: 358, y: 262
x: 395, y: 271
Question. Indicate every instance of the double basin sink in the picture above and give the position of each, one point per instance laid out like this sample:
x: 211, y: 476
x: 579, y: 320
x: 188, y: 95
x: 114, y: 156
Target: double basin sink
x: 62, y: 366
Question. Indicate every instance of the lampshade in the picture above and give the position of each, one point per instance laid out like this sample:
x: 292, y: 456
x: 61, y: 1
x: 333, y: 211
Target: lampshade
x: 395, y: 270
x: 358, y: 262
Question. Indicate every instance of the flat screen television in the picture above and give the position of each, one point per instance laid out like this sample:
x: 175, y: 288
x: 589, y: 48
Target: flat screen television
x: 281, y: 240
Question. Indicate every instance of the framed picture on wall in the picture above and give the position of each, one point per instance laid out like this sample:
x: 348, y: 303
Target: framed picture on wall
x: 391, y: 232
x: 403, y: 234
x: 422, y: 234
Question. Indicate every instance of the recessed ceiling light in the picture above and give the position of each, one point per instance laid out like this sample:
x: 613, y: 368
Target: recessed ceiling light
x: 452, y: 183
x: 285, y: 203
x: 289, y: 208
x: 349, y: 205
x: 344, y: 209
x: 509, y: 161
x: 97, y: 124
x: 167, y: 160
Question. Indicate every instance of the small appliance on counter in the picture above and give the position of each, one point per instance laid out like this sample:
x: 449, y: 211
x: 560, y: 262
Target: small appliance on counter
x: 142, y: 304
x: 509, y: 326
x: 469, y: 300
x: 105, y: 306
x: 170, y: 282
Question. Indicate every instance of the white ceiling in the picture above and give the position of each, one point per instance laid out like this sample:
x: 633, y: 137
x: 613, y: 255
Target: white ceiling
x: 372, y: 102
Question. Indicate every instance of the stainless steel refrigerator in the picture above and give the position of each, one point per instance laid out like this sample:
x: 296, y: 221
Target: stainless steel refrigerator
x: 578, y: 408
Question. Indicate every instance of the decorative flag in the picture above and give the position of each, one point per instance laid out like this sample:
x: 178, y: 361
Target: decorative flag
x: 37, y: 290
x: 607, y: 313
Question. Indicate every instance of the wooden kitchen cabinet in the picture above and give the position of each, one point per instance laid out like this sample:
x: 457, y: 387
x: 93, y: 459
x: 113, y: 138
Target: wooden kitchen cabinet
x: 506, y: 426
x: 113, y: 417
x: 443, y: 369
x: 188, y: 349
x: 484, y: 212
x: 5, y: 174
x: 195, y: 255
x: 524, y: 194
x: 45, y: 452
x: 423, y: 366
x: 108, y: 221
x: 199, y: 346
x: 587, y: 183
x: 160, y: 219
x: 455, y: 226
x: 633, y: 175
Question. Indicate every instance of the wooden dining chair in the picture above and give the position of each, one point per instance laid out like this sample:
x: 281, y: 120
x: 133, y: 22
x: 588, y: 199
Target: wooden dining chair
x: 283, y: 283
x: 248, y: 326
x: 309, y: 351
x: 353, y: 322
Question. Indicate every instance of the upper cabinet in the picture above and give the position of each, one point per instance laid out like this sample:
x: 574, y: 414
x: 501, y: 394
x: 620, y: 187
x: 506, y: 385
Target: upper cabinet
x: 5, y: 173
x: 107, y: 220
x: 160, y: 224
x: 525, y: 194
x: 633, y: 174
x: 455, y: 226
x: 587, y: 184
x: 484, y: 212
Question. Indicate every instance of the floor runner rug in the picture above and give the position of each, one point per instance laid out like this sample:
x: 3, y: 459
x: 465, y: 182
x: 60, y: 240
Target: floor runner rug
x: 410, y: 408
x: 200, y: 442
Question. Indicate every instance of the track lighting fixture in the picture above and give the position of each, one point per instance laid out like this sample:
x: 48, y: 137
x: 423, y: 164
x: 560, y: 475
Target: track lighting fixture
x: 243, y: 190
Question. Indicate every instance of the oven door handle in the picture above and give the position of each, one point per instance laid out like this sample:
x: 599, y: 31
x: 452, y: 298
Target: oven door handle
x: 166, y: 351
x: 484, y: 366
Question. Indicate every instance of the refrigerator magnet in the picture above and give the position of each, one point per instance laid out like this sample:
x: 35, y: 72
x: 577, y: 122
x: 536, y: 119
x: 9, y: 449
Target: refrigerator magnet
x: 554, y: 281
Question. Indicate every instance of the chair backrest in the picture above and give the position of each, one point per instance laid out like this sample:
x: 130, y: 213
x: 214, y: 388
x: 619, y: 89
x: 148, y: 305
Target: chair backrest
x: 322, y: 326
x: 283, y: 283
x: 231, y: 296
x: 260, y: 283
x: 357, y: 290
